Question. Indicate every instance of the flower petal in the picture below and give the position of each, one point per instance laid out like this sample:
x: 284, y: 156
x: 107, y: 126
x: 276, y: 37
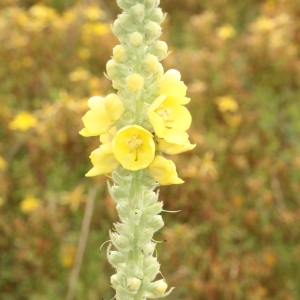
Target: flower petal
x: 103, y: 161
x: 96, y: 122
x: 164, y: 171
x: 181, y: 117
x: 96, y: 102
x: 173, y: 148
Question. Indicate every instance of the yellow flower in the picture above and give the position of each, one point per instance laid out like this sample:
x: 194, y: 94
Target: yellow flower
x: 103, y: 161
x: 169, y: 119
x: 171, y: 85
x: 134, y: 147
x: 23, y: 121
x: 3, y: 164
x: 164, y: 171
x: 263, y: 24
x: 79, y: 75
x: 227, y: 104
x: 68, y: 253
x: 93, y: 13
x: 1, y: 201
x: 226, y: 32
x: 29, y: 204
x: 174, y: 148
x: 103, y: 114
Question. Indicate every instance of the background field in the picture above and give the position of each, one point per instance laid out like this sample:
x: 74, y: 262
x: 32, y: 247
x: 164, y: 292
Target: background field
x: 237, y: 236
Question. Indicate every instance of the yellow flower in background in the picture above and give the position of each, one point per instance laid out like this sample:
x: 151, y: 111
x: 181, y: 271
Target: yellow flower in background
x: 93, y: 13
x: 67, y: 257
x: 227, y: 104
x: 3, y: 164
x: 103, y: 161
x: 74, y: 197
x: 42, y: 12
x: 134, y: 147
x: 164, y: 171
x: 29, y: 204
x: 263, y: 24
x: 1, y: 201
x: 79, y: 75
x: 83, y: 53
x: 226, y: 32
x: 173, y: 148
x: 169, y: 119
x: 103, y: 114
x: 23, y: 121
x: 171, y: 86
x: 94, y: 29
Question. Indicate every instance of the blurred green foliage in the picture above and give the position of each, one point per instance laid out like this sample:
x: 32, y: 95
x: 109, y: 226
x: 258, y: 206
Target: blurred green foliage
x: 237, y: 235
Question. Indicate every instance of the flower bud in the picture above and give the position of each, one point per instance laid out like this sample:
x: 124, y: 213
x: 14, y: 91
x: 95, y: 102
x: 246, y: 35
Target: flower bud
x: 133, y: 284
x: 116, y: 258
x: 117, y: 86
x: 114, y: 106
x: 150, y: 197
x: 118, y: 194
x: 152, y: 30
x: 122, y: 293
x: 157, y: 15
x: 145, y: 236
x: 120, y: 242
x: 148, y: 261
x: 126, y: 21
x: 124, y: 229
x: 152, y: 270
x: 156, y: 223
x: 159, y: 49
x: 150, y: 63
x: 112, y: 70
x: 120, y: 53
x: 123, y: 211
x: 123, y: 4
x: 158, y: 288
x: 114, y: 280
x: 148, y: 181
x: 139, y: 11
x: 150, y: 3
x: 121, y: 177
x: 148, y: 249
x: 159, y: 73
x: 135, y: 82
x: 118, y: 29
x: 152, y: 210
x: 136, y: 39
x: 135, y: 216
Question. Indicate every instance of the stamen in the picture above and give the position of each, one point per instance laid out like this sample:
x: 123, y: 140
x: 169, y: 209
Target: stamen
x: 134, y: 143
x: 164, y: 113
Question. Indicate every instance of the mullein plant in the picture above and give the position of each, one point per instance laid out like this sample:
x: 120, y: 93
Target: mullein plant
x: 137, y: 125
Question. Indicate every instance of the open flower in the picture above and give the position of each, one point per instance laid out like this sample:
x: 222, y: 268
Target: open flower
x: 164, y: 171
x: 103, y: 114
x: 134, y: 147
x: 174, y: 148
x: 169, y: 119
